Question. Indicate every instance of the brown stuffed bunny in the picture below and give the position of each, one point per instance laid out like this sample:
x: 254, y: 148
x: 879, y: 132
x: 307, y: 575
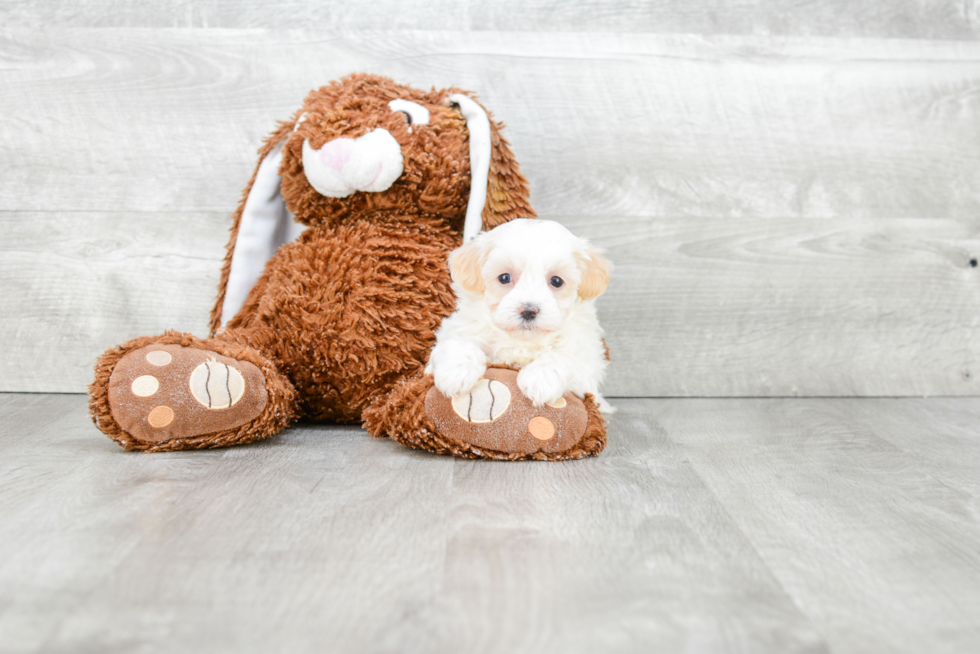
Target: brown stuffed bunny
x: 320, y: 321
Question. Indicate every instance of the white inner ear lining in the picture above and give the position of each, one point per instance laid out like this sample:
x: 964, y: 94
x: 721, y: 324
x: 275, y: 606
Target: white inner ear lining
x: 265, y: 224
x: 478, y: 125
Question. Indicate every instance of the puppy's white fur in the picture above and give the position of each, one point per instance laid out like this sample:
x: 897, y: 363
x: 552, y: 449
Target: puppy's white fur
x: 509, y: 310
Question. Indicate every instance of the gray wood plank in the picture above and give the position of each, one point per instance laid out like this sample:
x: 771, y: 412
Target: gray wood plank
x: 940, y: 19
x: 790, y: 307
x: 940, y: 434
x: 324, y: 535
x: 849, y: 523
x: 80, y: 282
x: 315, y: 533
x: 795, y: 217
x: 803, y: 525
x: 718, y: 307
x: 151, y: 120
x: 627, y: 553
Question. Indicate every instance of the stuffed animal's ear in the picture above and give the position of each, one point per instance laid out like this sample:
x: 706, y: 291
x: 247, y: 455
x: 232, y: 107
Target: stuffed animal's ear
x: 595, y: 273
x: 507, y: 192
x: 466, y: 265
x: 498, y: 190
x: 260, y: 224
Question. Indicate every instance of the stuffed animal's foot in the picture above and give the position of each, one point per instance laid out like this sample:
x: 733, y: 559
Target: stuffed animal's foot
x: 178, y: 392
x: 494, y: 420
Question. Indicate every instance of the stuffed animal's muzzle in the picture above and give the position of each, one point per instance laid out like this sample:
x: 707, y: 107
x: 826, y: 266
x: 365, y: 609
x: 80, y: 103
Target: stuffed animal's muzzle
x: 343, y: 166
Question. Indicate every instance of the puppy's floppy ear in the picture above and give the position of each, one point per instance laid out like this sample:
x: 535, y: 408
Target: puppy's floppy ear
x: 466, y: 264
x: 595, y: 272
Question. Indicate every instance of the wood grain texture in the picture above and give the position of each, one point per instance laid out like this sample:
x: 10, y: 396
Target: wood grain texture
x: 169, y: 120
x: 234, y: 570
x: 790, y: 216
x: 718, y: 307
x: 76, y: 283
x: 840, y: 477
x: 780, y: 526
x: 790, y: 307
x: 934, y: 19
x: 626, y: 554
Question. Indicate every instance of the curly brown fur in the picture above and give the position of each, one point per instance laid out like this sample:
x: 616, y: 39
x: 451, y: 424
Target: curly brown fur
x: 503, y: 204
x: 436, y: 179
x: 401, y: 416
x: 350, y: 308
x: 277, y: 415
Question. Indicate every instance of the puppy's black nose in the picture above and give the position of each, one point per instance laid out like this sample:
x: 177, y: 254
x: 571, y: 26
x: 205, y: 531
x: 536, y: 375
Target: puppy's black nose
x: 529, y: 311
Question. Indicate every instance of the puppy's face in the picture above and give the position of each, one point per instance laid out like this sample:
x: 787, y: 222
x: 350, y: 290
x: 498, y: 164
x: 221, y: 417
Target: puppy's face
x: 530, y: 274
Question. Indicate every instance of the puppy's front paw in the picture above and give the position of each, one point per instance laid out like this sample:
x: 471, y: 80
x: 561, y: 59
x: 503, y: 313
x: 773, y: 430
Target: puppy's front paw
x: 456, y: 366
x: 541, y: 384
x: 457, y: 377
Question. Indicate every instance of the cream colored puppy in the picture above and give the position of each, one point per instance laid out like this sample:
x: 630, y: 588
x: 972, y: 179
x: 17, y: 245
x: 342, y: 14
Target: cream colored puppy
x: 525, y: 297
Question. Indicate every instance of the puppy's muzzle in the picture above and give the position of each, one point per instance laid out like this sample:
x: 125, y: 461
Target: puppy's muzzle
x: 529, y: 312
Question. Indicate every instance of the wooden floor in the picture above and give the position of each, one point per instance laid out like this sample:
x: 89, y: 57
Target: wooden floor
x: 771, y: 525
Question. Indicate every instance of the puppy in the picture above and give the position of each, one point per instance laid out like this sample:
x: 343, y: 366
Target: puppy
x: 525, y: 297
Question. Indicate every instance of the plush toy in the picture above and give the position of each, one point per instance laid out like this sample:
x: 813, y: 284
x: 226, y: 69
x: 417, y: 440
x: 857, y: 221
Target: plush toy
x: 333, y: 284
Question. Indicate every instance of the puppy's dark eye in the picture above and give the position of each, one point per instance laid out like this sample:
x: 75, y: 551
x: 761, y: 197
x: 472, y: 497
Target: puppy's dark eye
x: 557, y: 282
x: 408, y: 117
x: 504, y: 279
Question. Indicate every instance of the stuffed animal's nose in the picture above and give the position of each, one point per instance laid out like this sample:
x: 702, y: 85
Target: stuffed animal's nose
x: 336, y: 153
x: 342, y: 166
x: 529, y: 311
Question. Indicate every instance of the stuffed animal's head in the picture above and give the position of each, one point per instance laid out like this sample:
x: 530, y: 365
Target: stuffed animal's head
x: 365, y: 145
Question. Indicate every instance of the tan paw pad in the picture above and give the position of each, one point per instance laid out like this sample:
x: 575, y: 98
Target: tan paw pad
x: 216, y: 385
x: 160, y: 417
x: 145, y: 386
x: 485, y: 403
x: 159, y: 358
x: 541, y: 428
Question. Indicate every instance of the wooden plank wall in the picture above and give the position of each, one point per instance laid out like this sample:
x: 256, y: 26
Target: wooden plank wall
x: 791, y: 193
